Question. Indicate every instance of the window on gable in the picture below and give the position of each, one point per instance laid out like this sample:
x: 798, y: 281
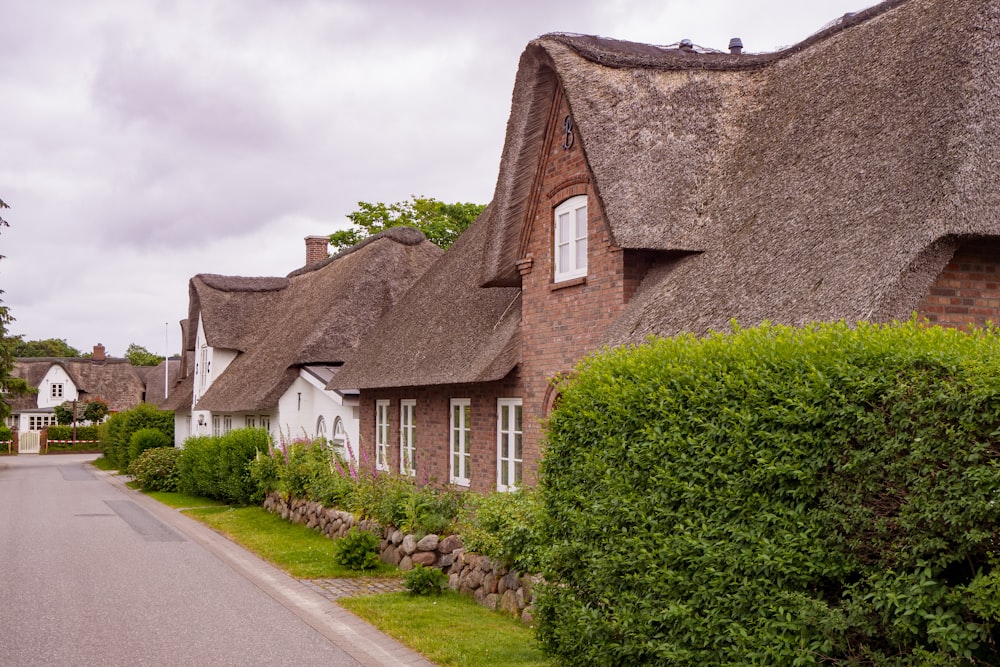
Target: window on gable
x: 382, y: 435
x: 57, y: 390
x: 509, y: 454
x: 570, y: 234
x: 461, y: 437
x: 407, y: 434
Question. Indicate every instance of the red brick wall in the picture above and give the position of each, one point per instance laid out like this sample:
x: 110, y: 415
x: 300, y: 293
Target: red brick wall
x: 432, y: 432
x: 967, y: 289
x: 562, y: 322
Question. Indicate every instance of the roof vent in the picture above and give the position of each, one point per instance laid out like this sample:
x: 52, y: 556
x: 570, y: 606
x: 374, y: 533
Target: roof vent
x: 687, y: 46
x: 736, y: 46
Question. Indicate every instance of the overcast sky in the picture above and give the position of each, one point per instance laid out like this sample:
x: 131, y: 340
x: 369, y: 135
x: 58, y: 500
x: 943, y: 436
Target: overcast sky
x: 145, y: 141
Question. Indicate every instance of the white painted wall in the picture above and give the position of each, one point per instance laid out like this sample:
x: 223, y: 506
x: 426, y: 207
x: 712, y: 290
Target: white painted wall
x: 56, y: 375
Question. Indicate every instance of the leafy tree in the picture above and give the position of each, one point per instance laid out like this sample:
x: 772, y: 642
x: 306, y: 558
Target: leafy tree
x: 440, y: 222
x: 137, y: 355
x: 95, y: 411
x: 50, y: 347
x: 64, y: 413
x: 11, y: 386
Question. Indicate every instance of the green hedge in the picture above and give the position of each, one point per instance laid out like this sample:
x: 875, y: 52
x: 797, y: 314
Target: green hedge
x: 56, y: 432
x: 777, y: 497
x: 220, y: 467
x: 116, y: 432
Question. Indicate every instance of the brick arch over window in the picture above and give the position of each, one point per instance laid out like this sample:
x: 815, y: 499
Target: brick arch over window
x: 967, y: 289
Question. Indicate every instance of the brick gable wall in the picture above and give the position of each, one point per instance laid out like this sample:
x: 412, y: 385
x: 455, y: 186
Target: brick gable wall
x: 968, y: 289
x: 562, y: 322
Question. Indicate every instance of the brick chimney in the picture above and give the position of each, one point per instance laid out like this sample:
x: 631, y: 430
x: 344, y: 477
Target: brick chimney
x: 316, y: 249
x: 99, y: 354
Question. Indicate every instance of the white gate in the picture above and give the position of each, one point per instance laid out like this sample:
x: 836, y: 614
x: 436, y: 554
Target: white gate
x: 28, y: 442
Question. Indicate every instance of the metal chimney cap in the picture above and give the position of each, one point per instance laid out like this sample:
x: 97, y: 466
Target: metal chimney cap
x: 736, y: 43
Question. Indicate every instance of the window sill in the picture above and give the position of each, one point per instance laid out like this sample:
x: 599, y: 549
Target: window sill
x: 572, y: 282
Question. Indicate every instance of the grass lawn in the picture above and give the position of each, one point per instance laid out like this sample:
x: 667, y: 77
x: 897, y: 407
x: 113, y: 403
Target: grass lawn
x: 450, y: 629
x: 300, y: 551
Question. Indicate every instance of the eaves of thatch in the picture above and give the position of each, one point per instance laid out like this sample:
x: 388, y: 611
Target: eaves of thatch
x: 447, y: 329
x: 319, y: 316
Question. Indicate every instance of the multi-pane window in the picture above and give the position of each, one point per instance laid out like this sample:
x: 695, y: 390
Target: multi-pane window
x: 227, y: 423
x: 509, y: 455
x: 57, y: 389
x: 216, y: 425
x: 339, y: 440
x: 461, y: 436
x: 265, y: 422
x: 407, y: 434
x: 202, y: 368
x: 38, y: 422
x: 570, y: 252
x: 382, y: 435
x: 251, y: 421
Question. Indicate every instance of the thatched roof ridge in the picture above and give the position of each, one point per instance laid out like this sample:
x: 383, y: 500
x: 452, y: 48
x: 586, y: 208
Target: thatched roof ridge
x: 624, y: 54
x: 403, y: 235
x: 321, y: 317
x: 446, y: 330
x: 859, y: 166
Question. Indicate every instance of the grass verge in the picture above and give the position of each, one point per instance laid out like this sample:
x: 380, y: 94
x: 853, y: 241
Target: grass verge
x: 300, y: 551
x: 451, y: 629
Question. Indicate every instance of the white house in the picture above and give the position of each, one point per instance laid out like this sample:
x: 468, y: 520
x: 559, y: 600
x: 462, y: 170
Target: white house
x: 260, y: 352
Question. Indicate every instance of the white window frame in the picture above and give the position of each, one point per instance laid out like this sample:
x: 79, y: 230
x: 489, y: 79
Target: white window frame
x: 227, y: 424
x: 569, y: 249
x: 57, y: 390
x: 216, y: 425
x: 510, y: 442
x: 338, y: 439
x: 251, y: 421
x: 265, y: 422
x: 460, y: 431
x: 382, y: 435
x: 407, y: 436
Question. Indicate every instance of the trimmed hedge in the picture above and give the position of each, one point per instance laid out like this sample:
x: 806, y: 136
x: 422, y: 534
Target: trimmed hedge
x: 116, y: 432
x: 220, y: 467
x: 56, y: 432
x: 777, y: 496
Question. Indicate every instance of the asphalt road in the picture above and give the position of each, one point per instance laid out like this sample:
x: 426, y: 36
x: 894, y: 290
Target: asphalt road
x: 92, y: 573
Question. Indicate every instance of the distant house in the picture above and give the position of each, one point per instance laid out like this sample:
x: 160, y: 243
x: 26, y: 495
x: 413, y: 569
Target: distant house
x: 64, y: 380
x: 649, y: 190
x: 260, y: 352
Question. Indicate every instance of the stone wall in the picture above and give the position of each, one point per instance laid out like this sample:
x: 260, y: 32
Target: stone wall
x: 489, y: 583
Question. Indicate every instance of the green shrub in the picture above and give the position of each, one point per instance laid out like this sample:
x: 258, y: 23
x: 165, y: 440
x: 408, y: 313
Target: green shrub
x: 505, y: 527
x: 6, y: 433
x: 197, y: 469
x: 237, y: 451
x: 116, y: 432
x: 221, y: 467
x: 358, y: 550
x: 147, y: 438
x: 425, y: 580
x: 156, y: 469
x: 777, y: 496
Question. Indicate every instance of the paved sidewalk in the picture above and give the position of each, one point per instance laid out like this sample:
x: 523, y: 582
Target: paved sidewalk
x: 334, y: 589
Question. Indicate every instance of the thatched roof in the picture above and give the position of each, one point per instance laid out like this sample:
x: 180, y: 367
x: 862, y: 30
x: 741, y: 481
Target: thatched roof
x: 447, y: 330
x: 318, y: 314
x: 841, y: 180
x: 115, y: 381
x: 831, y: 180
x: 153, y: 376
